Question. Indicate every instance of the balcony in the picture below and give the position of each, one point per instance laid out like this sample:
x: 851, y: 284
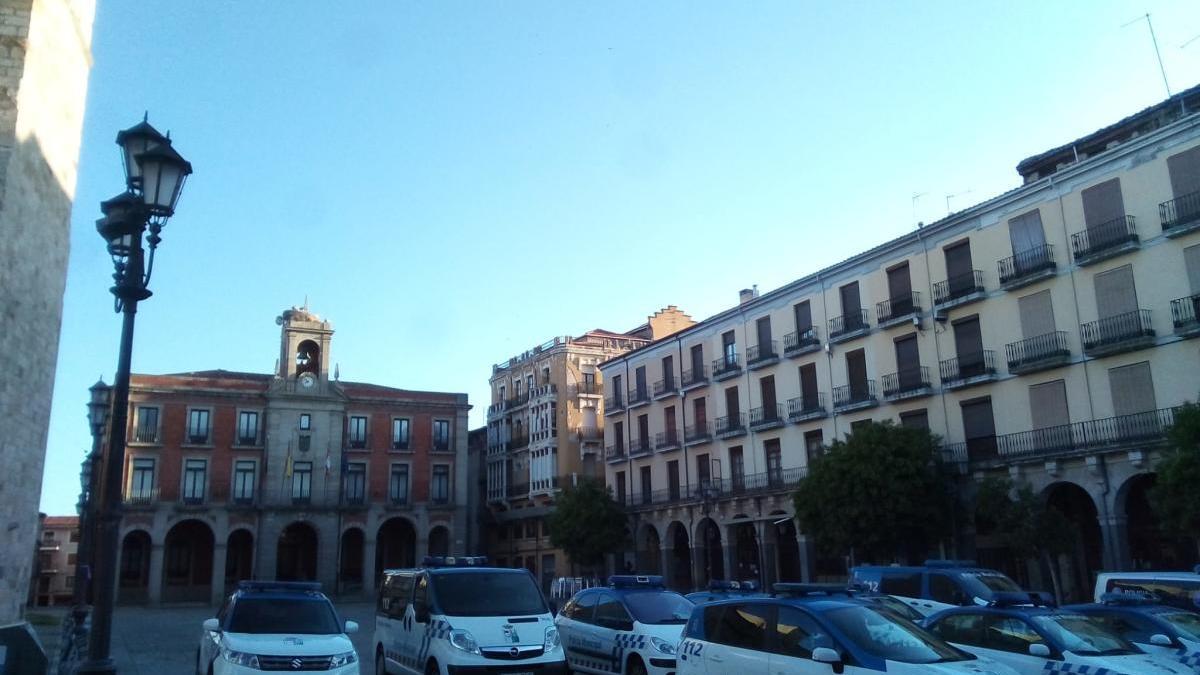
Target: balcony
x: 141, y: 499
x: 588, y: 389
x: 141, y: 435
x: 801, y: 409
x: 517, y: 490
x: 356, y: 443
x: 959, y: 289
x: 400, y: 444
x: 849, y: 326
x: 907, y: 383
x: 665, y: 388
x: 1026, y: 267
x: 695, y: 434
x: 614, y: 404
x: 302, y: 500
x: 519, y: 442
x: 639, y: 447
x: 614, y: 453
x: 1183, y: 315
x: 401, y: 501
x: 638, y: 397
x: 898, y: 310
x: 192, y: 500
x: 726, y: 367
x: 248, y: 441
x: 694, y: 379
x: 591, y: 435
x: 1180, y: 215
x: 665, y: 441
x: 1116, y: 334
x: 851, y: 397
x: 244, y: 500
x: 731, y: 426
x: 441, y: 501
x: 801, y: 342
x: 1038, y: 353
x: 1112, y: 433
x: 766, y: 417
x: 495, y: 409
x: 968, y: 370
x: 777, y: 481
x: 517, y: 401
x: 354, y: 501
x: 439, y: 445
x: 497, y: 448
x: 1104, y: 241
x: 762, y: 354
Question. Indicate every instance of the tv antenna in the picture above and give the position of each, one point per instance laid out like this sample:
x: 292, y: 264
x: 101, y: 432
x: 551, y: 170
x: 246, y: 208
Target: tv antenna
x: 915, y: 197
x: 1154, y: 40
x: 956, y: 194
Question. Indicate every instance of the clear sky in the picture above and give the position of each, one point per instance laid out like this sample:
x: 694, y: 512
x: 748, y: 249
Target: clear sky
x: 453, y: 183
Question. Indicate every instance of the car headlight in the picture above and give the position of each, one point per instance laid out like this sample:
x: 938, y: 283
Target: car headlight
x: 339, y: 660
x: 463, y: 640
x: 662, y: 645
x: 240, y: 658
x: 552, y: 640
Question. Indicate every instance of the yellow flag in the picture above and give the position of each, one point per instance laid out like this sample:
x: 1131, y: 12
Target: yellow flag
x: 287, y: 471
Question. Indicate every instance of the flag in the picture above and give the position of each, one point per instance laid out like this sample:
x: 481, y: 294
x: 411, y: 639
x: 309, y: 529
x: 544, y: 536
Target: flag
x: 287, y: 468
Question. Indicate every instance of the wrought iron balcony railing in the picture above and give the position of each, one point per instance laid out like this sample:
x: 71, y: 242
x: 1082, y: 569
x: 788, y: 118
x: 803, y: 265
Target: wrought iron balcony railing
x: 958, y: 287
x: 779, y: 480
x: 591, y: 434
x: 800, y: 408
x: 894, y: 309
x: 966, y: 367
x: 1117, y: 331
x: 1180, y: 214
x: 1111, y: 432
x: 665, y: 387
x: 697, y: 433
x: 906, y: 381
x: 516, y: 401
x: 731, y: 425
x: 1039, y: 349
x: 145, y: 435
x: 851, y: 395
x: 762, y: 353
x: 1089, y: 244
x: 1026, y: 264
x: 1184, y: 312
x: 639, y: 446
x: 728, y: 364
x: 695, y: 377
x: 801, y: 341
x: 766, y: 416
x: 848, y: 324
x: 519, y: 441
x: 614, y: 402
x: 666, y: 440
x: 588, y: 389
x: 614, y: 452
x: 638, y: 396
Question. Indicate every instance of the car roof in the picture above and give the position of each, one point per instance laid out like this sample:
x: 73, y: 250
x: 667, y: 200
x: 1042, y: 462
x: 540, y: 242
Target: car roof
x: 1019, y: 610
x: 925, y: 568
x: 1173, y: 576
x: 1140, y: 608
x: 455, y: 570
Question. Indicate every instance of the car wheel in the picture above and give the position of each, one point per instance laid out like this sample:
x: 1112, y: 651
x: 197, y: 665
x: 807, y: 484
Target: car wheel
x: 635, y: 667
x: 380, y: 663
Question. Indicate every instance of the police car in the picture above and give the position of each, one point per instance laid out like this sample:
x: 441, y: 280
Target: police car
x: 1158, y: 629
x: 274, y: 625
x: 937, y: 585
x: 632, y: 626
x: 816, y: 631
x: 725, y: 590
x: 455, y: 614
x: 1022, y: 632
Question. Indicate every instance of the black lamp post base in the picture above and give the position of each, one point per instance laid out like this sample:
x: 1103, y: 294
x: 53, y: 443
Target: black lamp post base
x: 104, y: 667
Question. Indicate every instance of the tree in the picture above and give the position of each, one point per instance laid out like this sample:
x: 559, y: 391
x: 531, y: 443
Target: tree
x: 1175, y: 497
x: 879, y: 495
x: 1025, y: 523
x: 587, y: 523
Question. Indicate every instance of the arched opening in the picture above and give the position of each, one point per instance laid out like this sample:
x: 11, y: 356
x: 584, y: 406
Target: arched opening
x: 748, y: 564
x: 1149, y: 547
x: 395, y: 546
x: 350, y: 560
x: 135, y: 568
x: 1077, y: 570
x: 239, y: 558
x: 712, y: 555
x: 439, y: 541
x: 187, y: 563
x: 680, y: 574
x: 649, y: 551
x: 787, y: 549
x: 308, y: 358
x: 296, y: 558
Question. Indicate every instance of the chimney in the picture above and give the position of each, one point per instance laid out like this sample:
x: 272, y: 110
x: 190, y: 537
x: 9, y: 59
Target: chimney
x: 747, y: 294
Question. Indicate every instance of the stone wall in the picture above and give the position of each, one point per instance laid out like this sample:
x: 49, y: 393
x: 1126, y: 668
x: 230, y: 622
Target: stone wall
x: 45, y: 58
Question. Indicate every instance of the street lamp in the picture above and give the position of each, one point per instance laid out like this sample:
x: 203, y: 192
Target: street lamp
x: 154, y: 177
x: 99, y: 404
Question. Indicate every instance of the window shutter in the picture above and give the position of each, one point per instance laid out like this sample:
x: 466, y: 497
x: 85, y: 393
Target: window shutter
x: 851, y: 304
x: 958, y: 260
x: 1048, y: 404
x: 1115, y: 293
x: 1191, y: 260
x: 1185, y: 172
x: 1025, y: 232
x: 1037, y: 314
x: 899, y: 283
x: 1102, y: 203
x: 1132, y: 389
x: 977, y: 419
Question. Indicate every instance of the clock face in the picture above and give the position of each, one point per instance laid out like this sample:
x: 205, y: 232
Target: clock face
x: 307, y: 381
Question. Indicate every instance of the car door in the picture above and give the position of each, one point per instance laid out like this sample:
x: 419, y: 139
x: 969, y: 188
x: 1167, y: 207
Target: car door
x: 612, y: 620
x: 210, y: 647
x: 1138, y: 629
x: 1007, y: 639
x: 739, y: 644
x: 392, y: 616
x: 413, y: 632
x: 793, y: 637
x: 575, y: 630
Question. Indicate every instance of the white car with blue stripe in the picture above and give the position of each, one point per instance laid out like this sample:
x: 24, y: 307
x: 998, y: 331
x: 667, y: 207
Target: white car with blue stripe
x: 1035, y: 639
x: 632, y: 626
x: 457, y: 616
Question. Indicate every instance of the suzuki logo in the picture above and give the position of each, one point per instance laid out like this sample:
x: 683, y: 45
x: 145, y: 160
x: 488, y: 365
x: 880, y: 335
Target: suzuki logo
x: 296, y: 663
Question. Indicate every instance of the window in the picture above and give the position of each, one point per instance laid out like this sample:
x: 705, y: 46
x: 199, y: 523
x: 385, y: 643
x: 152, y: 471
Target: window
x: 762, y: 328
x: 852, y: 314
x: 856, y: 375
x: 589, y: 383
x: 907, y: 584
x: 1102, y: 204
x: 72, y: 559
x: 802, y: 313
x: 305, y: 422
x: 400, y: 433
x: 398, y: 485
x: 1184, y: 169
x: 620, y: 489
x: 968, y: 345
x: 979, y: 428
x: 915, y: 419
x: 729, y: 348
x: 619, y: 435
x: 1025, y: 234
x: 1037, y: 314
x: 673, y: 479
x: 583, y: 607
x: 1009, y: 634
x: 141, y: 484
x: 943, y: 589
x: 440, y: 489
x: 899, y: 290
x: 647, y: 485
x: 301, y: 482
x: 814, y: 444
x: 441, y: 434
x: 639, y: 382
x: 147, y: 425
x: 70, y: 582
x: 1129, y: 625
x: 703, y: 470
x: 809, y: 399
x: 243, y: 481
x: 610, y: 612
x: 358, y: 432
x: 668, y: 373
x: 531, y: 529
x: 304, y: 442
x: 247, y: 432
x: 737, y: 467
x: 197, y: 431
x: 959, y: 276
x: 743, y: 626
x: 1132, y: 389
x: 774, y: 455
x: 797, y: 635
x: 1048, y: 405
x: 859, y: 425
x: 194, y: 474
x: 964, y: 629
x: 356, y: 482
x: 73, y: 537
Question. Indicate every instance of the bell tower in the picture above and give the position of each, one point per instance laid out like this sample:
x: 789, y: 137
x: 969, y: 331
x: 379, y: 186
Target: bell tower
x: 304, y: 344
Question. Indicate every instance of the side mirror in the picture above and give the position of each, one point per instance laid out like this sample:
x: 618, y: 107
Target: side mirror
x: 1039, y: 649
x: 351, y: 627
x: 554, y: 607
x: 1160, y: 640
x: 212, y: 625
x: 421, y: 613
x: 826, y: 655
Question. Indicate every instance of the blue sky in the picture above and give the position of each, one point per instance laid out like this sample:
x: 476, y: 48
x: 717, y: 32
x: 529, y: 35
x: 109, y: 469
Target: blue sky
x: 452, y: 183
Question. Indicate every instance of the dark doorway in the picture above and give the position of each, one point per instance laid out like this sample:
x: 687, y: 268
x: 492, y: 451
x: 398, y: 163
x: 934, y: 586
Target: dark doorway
x: 395, y: 546
x: 712, y: 553
x: 439, y: 541
x: 135, y: 568
x: 296, y: 557
x: 239, y: 558
x: 787, y: 551
x: 1077, y: 571
x: 748, y: 562
x: 350, y: 560
x: 187, y: 563
x: 1149, y: 548
x: 681, y: 557
x: 649, y: 551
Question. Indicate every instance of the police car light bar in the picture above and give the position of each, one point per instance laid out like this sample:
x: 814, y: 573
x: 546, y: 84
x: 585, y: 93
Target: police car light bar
x: 636, y: 581
x: 1129, y: 597
x: 1027, y: 599
x: 266, y: 586
x: 950, y: 563
x: 795, y: 590
x: 454, y: 561
x: 747, y: 586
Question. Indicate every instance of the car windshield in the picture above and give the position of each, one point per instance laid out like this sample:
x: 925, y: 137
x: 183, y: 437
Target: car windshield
x: 1083, y: 635
x: 656, y: 607
x: 886, y: 635
x: 983, y: 584
x: 1187, y: 623
x: 897, y: 606
x: 487, y: 594
x: 306, y: 616
x: 1174, y: 593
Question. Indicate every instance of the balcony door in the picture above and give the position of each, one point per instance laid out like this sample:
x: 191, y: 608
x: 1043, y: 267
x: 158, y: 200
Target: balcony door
x: 856, y: 374
x: 669, y: 423
x: 1037, y: 314
x: 643, y: 422
x: 1025, y: 233
x: 700, y: 412
x: 732, y: 406
x: 851, y: 306
x: 1115, y: 293
x: 763, y: 327
x: 1185, y: 173
x: 808, y: 385
x: 1051, y: 419
x: 979, y: 428
x: 968, y: 344
x: 908, y: 362
x: 1103, y: 204
x: 766, y: 388
x: 803, y: 315
x: 673, y: 479
x: 959, y: 268
x: 647, y: 485
x: 1132, y: 389
x: 697, y: 361
x: 729, y: 348
x: 668, y: 372
x: 899, y: 290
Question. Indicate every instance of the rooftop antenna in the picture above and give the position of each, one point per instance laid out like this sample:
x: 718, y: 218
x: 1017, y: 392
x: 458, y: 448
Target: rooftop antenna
x: 915, y: 197
x: 956, y: 194
x: 1189, y: 42
x: 1154, y: 40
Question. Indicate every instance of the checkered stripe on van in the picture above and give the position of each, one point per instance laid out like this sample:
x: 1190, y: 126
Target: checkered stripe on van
x: 1190, y: 659
x: 1078, y: 669
x: 631, y: 641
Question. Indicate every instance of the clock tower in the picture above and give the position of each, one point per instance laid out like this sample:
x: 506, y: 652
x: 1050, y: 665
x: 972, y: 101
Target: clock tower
x: 304, y: 347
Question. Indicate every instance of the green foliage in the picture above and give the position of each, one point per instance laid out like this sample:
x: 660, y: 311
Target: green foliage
x: 587, y: 523
x: 1024, y: 523
x: 880, y: 494
x: 1175, y: 496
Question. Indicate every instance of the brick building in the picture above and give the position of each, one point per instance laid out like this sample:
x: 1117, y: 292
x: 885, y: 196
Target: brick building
x: 291, y: 475
x: 58, y: 545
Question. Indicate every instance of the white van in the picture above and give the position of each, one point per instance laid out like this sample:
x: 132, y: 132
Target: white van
x: 1177, y: 589
x: 455, y: 614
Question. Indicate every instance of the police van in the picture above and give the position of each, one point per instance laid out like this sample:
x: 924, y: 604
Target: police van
x: 631, y: 626
x: 937, y: 585
x: 454, y: 614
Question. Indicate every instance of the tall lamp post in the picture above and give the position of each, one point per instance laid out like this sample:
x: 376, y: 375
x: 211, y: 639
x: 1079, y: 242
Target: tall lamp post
x: 99, y: 404
x: 154, y: 178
